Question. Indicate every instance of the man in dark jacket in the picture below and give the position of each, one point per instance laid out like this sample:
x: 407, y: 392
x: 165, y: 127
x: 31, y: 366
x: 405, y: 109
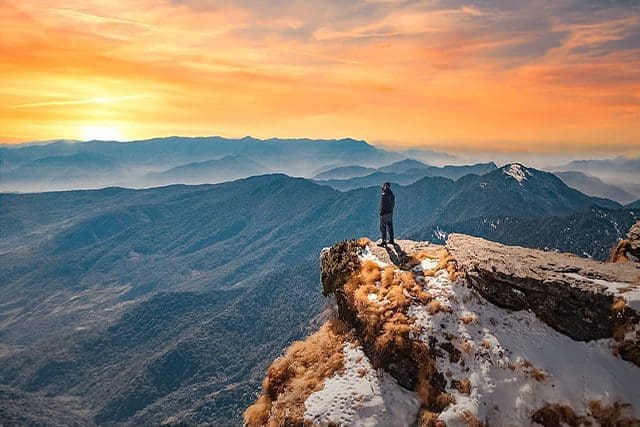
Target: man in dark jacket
x: 387, y: 203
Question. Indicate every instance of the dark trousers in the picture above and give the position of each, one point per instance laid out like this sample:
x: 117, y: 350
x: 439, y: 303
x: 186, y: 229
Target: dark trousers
x: 386, y: 225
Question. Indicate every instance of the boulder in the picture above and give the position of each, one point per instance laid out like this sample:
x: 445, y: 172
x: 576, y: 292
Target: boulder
x: 628, y: 249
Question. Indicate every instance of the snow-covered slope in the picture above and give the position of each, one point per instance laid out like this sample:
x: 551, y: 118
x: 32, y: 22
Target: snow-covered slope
x: 419, y: 344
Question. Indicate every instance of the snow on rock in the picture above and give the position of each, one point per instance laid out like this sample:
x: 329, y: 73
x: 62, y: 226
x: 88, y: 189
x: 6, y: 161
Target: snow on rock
x: 503, y: 365
x: 627, y: 291
x: 361, y: 396
x: 474, y: 333
x: 425, y: 265
x: 575, y: 296
x: 517, y: 172
x: 365, y: 254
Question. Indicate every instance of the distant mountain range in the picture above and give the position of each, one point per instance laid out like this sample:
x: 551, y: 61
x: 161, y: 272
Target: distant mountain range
x: 595, y: 187
x: 95, y: 164
x: 621, y: 172
x: 140, y: 307
x: 430, y: 156
x: 617, y: 164
x: 228, y: 168
x: 403, y: 172
x: 342, y: 164
x: 344, y: 172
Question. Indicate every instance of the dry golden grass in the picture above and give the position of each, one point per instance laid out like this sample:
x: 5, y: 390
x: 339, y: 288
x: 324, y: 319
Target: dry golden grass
x: 619, y: 251
x: 435, y: 306
x: 555, y: 414
x: 625, y: 346
x: 380, y: 297
x: 618, y: 305
x: 429, y: 419
x: 445, y: 399
x: 463, y: 386
x: 444, y: 261
x: 363, y: 241
x: 535, y: 373
x: 471, y: 419
x: 618, y: 414
x: 468, y: 318
x: 382, y: 316
x: 294, y: 376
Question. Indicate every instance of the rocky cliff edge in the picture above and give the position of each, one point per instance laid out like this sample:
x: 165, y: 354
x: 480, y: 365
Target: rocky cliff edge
x: 473, y: 333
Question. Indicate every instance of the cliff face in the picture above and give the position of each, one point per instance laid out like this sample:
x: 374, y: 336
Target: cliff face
x: 472, y: 333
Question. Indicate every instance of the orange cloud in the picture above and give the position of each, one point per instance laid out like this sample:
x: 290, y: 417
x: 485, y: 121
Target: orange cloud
x: 454, y: 77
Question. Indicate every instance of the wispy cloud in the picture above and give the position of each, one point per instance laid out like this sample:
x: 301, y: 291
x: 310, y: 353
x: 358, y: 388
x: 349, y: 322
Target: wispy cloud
x: 90, y: 101
x: 470, y: 74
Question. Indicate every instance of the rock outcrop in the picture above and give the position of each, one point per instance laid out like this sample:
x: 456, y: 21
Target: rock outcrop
x: 472, y: 333
x: 628, y: 249
x: 578, y: 297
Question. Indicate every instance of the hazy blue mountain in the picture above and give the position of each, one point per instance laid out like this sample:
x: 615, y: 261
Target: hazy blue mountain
x: 457, y: 172
x: 343, y: 172
x: 228, y: 168
x: 74, y: 166
x: 429, y: 156
x: 404, y: 173
x: 634, y: 205
x: 516, y: 191
x: 403, y: 166
x: 151, y: 295
x: 622, y: 172
x: 298, y: 157
x: 374, y: 179
x: 617, y: 164
x: 166, y: 304
x: 594, y: 186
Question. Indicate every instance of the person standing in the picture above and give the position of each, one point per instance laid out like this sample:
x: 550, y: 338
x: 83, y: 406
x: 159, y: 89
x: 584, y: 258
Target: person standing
x: 387, y: 203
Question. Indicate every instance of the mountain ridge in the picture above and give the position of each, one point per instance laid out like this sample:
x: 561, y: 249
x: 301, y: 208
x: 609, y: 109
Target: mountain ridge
x: 404, y: 172
x: 594, y: 186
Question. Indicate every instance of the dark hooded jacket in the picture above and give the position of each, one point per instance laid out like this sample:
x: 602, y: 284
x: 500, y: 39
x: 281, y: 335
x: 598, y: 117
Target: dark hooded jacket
x: 387, y: 202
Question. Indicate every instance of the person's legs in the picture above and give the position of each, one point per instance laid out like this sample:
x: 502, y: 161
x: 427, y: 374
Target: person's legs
x: 390, y: 228
x: 383, y: 229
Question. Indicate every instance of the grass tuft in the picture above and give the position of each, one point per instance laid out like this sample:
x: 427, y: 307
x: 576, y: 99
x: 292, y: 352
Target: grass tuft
x: 292, y: 378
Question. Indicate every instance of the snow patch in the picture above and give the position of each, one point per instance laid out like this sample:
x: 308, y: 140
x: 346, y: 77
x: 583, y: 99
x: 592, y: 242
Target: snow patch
x: 627, y: 291
x: 517, y: 172
x: 427, y: 264
x: 361, y: 396
x: 515, y: 363
x: 365, y: 254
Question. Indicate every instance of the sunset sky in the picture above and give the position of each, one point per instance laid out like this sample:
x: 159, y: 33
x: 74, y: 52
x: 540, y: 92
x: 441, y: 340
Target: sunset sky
x: 495, y: 75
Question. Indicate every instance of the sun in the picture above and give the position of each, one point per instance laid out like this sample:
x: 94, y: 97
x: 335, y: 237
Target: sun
x: 101, y: 133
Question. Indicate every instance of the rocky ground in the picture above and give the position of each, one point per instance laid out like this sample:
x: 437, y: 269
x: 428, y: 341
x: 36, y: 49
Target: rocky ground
x: 472, y: 333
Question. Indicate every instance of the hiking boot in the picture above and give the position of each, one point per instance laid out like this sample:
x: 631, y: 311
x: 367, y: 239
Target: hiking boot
x: 382, y: 243
x: 392, y: 242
